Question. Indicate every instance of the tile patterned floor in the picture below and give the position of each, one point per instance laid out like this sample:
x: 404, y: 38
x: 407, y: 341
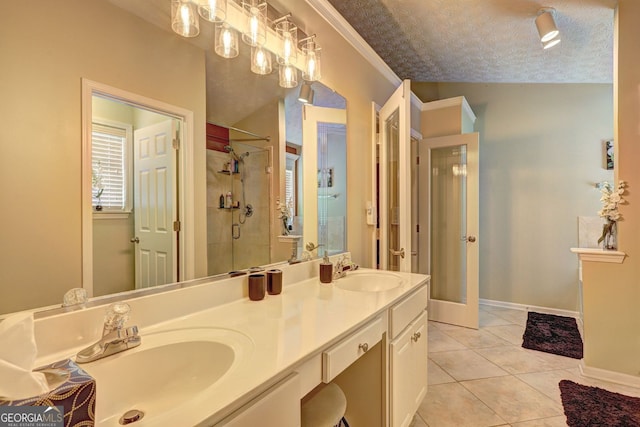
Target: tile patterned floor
x: 485, y: 378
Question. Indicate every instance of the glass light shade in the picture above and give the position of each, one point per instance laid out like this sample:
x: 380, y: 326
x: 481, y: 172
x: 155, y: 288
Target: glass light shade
x: 261, y: 60
x: 546, y: 26
x: 288, y: 76
x: 213, y: 10
x: 184, y: 18
x: 312, y: 70
x: 226, y: 41
x: 255, y: 32
x: 288, y: 49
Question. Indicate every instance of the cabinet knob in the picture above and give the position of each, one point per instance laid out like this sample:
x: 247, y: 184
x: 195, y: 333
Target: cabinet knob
x: 364, y: 347
x: 416, y: 337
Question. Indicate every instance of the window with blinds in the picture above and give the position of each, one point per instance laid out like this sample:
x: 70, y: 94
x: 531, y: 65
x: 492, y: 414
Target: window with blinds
x: 109, y: 167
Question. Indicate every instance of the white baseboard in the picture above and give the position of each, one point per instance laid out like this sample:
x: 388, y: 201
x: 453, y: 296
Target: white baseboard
x: 525, y: 307
x: 611, y: 376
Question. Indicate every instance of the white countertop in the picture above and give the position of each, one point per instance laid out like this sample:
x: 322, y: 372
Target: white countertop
x: 285, y: 330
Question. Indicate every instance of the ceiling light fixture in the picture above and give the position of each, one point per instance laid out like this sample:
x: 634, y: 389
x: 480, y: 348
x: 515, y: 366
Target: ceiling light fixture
x: 306, y: 93
x: 226, y: 44
x: 255, y: 31
x: 288, y: 34
x: 213, y: 10
x: 547, y: 29
x: 311, y: 70
x: 261, y: 60
x: 288, y: 76
x: 184, y: 18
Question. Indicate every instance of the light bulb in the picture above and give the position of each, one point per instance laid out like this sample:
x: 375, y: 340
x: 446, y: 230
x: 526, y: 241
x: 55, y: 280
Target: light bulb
x: 184, y: 19
x: 226, y: 42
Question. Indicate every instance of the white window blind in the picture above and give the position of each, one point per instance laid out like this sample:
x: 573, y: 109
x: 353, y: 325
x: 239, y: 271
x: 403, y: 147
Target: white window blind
x: 108, y: 164
x: 289, y: 187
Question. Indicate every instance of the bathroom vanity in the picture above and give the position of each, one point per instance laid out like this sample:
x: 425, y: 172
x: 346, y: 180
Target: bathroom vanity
x: 210, y: 356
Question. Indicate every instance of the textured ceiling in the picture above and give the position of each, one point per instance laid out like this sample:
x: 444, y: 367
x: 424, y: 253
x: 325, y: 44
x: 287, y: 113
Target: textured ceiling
x: 486, y: 40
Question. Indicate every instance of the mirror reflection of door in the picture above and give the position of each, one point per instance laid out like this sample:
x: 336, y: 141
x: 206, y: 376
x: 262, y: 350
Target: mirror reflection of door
x: 134, y: 196
x: 324, y: 195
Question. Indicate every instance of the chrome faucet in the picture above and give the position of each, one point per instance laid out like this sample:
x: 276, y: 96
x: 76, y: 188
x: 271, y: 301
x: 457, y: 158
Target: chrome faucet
x: 115, y: 337
x: 343, y: 265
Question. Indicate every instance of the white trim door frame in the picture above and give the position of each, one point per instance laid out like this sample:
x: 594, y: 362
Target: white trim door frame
x: 186, y: 212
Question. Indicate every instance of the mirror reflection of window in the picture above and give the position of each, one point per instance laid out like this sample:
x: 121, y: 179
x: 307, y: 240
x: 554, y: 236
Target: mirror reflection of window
x: 109, y: 159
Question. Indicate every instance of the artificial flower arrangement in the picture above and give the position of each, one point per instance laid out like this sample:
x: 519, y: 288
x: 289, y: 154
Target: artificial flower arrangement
x: 97, y: 185
x: 611, y: 199
x: 285, y: 213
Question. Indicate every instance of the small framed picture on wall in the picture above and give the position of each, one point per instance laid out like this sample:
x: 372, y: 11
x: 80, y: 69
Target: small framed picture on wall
x: 608, y: 154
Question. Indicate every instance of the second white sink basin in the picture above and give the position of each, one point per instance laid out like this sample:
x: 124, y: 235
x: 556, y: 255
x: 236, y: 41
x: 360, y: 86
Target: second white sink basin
x: 369, y: 281
x: 168, y: 369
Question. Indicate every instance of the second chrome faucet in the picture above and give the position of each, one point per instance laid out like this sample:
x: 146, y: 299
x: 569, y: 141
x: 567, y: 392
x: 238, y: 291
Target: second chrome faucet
x: 115, y: 337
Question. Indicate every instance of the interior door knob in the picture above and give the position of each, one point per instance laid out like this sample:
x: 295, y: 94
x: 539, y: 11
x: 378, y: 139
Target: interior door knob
x: 471, y: 239
x: 134, y: 240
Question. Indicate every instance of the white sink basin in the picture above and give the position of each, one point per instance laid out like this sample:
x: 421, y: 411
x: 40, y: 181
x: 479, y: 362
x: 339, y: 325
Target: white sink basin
x: 167, y: 370
x: 369, y: 281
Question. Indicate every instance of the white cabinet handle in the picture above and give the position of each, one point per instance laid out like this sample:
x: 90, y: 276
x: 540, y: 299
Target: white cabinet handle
x: 364, y: 347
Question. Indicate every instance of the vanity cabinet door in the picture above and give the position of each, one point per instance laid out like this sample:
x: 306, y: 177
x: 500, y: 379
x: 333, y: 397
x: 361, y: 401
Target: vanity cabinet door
x: 279, y: 406
x: 408, y: 377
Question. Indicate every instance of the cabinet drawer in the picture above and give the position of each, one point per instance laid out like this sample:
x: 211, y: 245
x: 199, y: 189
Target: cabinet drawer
x: 401, y: 314
x: 340, y: 356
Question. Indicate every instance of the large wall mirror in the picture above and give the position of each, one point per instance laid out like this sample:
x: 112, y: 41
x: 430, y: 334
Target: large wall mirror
x: 130, y: 46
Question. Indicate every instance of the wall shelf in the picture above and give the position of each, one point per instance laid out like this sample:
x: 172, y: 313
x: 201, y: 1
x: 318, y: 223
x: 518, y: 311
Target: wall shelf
x: 599, y: 255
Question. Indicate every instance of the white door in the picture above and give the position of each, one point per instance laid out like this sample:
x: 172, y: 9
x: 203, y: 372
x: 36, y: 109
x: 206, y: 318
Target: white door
x: 312, y: 117
x: 453, y: 212
x: 395, y: 181
x: 154, y: 193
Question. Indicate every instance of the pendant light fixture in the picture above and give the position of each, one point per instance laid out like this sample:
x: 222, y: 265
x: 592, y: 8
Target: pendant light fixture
x: 288, y: 76
x: 226, y: 44
x: 255, y: 31
x: 288, y: 37
x: 184, y: 18
x: 311, y: 70
x: 261, y: 60
x: 213, y: 10
x: 547, y: 29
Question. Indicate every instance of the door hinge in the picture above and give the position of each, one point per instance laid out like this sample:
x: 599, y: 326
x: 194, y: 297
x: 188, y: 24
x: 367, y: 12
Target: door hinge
x: 176, y: 225
x: 176, y: 143
x: 417, y: 160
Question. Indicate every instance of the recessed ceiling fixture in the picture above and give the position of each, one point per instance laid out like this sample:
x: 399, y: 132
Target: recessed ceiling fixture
x: 547, y: 29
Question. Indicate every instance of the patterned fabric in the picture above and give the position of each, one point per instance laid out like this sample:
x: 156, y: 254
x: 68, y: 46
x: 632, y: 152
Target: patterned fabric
x: 77, y: 395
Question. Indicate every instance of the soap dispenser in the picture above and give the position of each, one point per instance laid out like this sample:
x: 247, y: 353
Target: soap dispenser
x: 326, y: 269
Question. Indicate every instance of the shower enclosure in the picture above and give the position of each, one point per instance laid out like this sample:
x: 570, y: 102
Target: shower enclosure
x: 238, y: 194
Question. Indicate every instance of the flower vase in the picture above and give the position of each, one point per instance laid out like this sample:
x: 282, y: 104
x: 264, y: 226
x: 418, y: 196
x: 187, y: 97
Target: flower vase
x: 610, y: 236
x: 285, y: 227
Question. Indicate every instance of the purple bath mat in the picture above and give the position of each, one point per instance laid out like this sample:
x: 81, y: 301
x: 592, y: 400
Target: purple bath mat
x: 553, y: 334
x: 586, y: 406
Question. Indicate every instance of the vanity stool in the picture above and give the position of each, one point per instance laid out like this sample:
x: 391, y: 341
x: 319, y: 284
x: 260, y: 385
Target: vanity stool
x: 326, y: 408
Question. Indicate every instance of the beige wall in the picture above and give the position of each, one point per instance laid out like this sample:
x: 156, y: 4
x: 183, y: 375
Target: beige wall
x: 540, y: 156
x: 612, y: 291
x: 40, y: 153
